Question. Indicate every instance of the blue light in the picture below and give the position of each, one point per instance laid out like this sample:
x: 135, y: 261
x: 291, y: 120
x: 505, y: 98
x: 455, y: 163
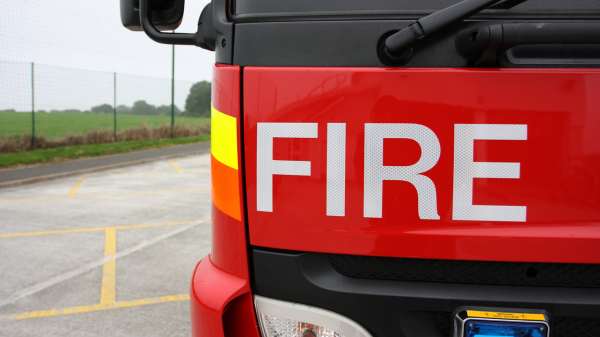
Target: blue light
x: 477, y: 328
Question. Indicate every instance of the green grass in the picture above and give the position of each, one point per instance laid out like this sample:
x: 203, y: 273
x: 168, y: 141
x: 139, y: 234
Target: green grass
x: 94, y: 150
x: 56, y: 125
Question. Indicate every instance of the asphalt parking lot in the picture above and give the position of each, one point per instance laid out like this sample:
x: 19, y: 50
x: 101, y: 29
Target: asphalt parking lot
x: 110, y: 253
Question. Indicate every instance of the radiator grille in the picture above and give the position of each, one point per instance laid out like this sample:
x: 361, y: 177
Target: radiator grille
x: 576, y: 327
x: 479, y: 272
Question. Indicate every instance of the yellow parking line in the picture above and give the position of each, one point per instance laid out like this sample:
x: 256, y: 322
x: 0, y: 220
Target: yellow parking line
x: 194, y: 160
x: 103, y: 195
x: 109, y: 270
x: 147, y: 174
x: 96, y: 307
x: 199, y: 159
x: 76, y: 187
x: 79, y: 230
x: 175, y: 167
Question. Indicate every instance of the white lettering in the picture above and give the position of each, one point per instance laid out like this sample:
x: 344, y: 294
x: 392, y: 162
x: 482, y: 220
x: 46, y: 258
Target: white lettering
x: 465, y: 169
x: 336, y: 169
x: 376, y: 173
x: 266, y: 167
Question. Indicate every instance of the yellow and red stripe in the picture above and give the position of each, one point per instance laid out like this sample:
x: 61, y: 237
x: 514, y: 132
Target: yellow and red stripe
x: 225, y: 185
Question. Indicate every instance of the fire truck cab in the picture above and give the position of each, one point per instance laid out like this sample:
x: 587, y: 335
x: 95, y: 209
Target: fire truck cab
x: 398, y: 168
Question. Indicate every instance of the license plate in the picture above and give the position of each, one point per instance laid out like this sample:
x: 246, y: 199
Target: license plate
x: 488, y: 322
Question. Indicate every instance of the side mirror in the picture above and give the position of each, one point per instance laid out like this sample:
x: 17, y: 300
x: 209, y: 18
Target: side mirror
x: 166, y: 14
x: 152, y: 16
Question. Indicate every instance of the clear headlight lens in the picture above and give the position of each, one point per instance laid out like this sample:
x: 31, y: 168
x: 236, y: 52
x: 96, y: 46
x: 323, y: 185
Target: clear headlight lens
x: 279, y: 327
x: 286, y: 319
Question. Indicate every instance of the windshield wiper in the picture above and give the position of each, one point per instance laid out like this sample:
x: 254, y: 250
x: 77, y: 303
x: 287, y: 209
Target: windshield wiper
x: 507, y: 4
x: 400, y: 43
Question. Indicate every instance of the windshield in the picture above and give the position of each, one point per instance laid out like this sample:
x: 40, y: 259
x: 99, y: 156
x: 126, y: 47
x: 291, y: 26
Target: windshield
x: 278, y: 6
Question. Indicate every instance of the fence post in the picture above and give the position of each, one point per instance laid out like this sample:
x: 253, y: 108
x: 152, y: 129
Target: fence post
x: 173, y: 89
x: 32, y: 111
x: 115, y: 106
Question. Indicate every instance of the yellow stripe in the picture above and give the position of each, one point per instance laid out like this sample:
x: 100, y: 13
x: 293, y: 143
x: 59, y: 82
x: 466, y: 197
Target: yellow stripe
x: 175, y: 167
x: 506, y: 315
x: 109, y: 270
x: 76, y: 187
x: 79, y: 230
x: 104, y: 195
x: 97, y: 307
x: 223, y: 138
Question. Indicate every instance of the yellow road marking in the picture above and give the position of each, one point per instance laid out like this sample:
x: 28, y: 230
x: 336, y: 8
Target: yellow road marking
x: 79, y: 230
x: 175, y: 167
x: 76, y: 187
x: 109, y: 270
x: 96, y: 307
x: 199, y: 159
x: 104, y: 195
x: 107, y: 291
x: 146, y: 174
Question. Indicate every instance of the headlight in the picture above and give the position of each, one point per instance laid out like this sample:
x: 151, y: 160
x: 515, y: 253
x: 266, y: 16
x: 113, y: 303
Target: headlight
x: 286, y: 319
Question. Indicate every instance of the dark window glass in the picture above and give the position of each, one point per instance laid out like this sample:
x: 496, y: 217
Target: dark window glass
x: 283, y: 6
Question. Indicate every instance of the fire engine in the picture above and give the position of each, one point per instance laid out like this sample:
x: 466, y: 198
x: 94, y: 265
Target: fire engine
x: 398, y: 168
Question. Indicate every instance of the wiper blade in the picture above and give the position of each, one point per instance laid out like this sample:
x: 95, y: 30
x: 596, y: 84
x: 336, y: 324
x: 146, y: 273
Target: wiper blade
x: 400, y: 42
x: 507, y: 4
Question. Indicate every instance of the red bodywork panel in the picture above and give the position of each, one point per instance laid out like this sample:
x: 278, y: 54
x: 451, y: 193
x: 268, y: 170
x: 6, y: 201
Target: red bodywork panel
x: 559, y: 182
x: 221, y: 301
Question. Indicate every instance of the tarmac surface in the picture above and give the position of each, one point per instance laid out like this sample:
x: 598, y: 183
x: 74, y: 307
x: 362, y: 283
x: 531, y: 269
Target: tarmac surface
x: 107, y: 253
x: 35, y: 173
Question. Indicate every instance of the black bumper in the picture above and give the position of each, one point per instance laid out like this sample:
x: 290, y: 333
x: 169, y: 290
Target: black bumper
x: 408, y: 308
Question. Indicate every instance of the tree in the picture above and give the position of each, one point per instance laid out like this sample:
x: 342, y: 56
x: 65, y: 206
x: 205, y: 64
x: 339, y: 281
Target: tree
x: 102, y: 109
x: 143, y: 108
x: 197, y: 103
x: 123, y: 109
x: 165, y: 110
x: 67, y: 111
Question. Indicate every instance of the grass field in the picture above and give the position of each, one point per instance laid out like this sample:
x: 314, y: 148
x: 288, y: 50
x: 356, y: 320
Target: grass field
x: 56, y: 125
x: 83, y: 151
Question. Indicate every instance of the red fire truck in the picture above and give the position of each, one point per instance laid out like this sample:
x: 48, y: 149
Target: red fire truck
x: 398, y: 168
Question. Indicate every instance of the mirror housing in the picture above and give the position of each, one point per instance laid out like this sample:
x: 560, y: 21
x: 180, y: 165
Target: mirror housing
x: 152, y: 16
x: 166, y: 14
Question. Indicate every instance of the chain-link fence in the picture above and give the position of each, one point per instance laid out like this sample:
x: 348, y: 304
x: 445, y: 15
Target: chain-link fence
x: 46, y: 106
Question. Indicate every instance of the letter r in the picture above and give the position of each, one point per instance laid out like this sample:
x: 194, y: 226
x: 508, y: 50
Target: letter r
x: 376, y: 173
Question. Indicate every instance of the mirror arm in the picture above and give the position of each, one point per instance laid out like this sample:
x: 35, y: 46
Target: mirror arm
x: 168, y: 38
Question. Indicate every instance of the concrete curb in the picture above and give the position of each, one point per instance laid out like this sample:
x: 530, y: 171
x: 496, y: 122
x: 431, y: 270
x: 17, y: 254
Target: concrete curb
x: 96, y: 169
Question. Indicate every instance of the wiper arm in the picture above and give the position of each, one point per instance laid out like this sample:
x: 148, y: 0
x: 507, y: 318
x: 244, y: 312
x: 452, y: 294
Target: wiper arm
x: 507, y: 4
x: 399, y: 43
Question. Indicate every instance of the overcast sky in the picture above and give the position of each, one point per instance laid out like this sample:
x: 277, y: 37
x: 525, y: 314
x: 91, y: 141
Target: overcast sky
x: 88, y: 35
